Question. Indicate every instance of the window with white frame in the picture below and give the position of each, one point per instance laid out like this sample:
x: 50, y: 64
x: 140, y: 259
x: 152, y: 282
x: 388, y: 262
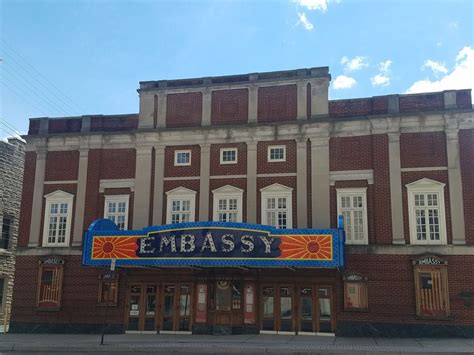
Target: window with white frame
x: 426, y: 212
x: 352, y: 205
x: 182, y: 157
x: 180, y: 205
x: 276, y: 153
x: 57, y: 219
x: 228, y: 155
x: 227, y: 205
x: 276, y: 206
x: 116, y: 209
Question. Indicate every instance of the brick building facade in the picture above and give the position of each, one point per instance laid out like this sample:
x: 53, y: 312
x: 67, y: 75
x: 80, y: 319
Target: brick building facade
x: 262, y: 149
x: 12, y: 154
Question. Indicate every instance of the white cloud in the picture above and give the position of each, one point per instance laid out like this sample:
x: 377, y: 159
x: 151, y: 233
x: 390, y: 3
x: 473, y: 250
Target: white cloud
x: 355, y: 63
x: 382, y: 78
x: 384, y: 67
x: 320, y: 5
x: 461, y: 77
x: 436, y: 67
x: 304, y: 21
x: 343, y: 82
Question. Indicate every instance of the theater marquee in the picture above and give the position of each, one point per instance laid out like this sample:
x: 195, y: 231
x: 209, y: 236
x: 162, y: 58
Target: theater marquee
x: 213, y: 244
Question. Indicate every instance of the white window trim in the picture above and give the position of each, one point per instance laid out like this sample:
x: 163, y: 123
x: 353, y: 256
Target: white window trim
x: 355, y: 191
x: 181, y: 193
x: 270, y: 147
x: 222, y: 150
x: 58, y: 196
x: 227, y: 192
x: 276, y: 191
x: 118, y: 198
x: 426, y: 186
x: 176, y: 152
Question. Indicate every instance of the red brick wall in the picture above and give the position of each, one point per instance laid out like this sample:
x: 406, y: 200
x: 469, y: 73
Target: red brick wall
x: 382, y: 210
x: 62, y: 165
x: 391, y: 289
x: 187, y: 170
x: 463, y: 99
x: 239, y: 183
x: 184, y: 110
x: 277, y: 103
x: 466, y: 147
x: 79, y: 294
x: 288, y: 181
x: 423, y: 149
x: 265, y: 167
x: 229, y: 169
x: 350, y: 153
x: 230, y: 106
x: 173, y: 184
x: 117, y: 164
x: 412, y: 176
x: 34, y: 127
x: 27, y: 199
x: 358, y: 107
x: 122, y: 123
x: 65, y: 125
x: 421, y: 102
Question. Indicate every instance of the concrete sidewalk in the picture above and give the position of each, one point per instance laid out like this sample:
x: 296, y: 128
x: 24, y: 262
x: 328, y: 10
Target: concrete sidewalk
x: 248, y: 344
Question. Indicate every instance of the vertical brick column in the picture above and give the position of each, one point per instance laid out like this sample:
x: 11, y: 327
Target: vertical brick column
x: 396, y: 202
x: 37, y: 205
x: 141, y: 202
x: 251, y: 182
x: 320, y: 182
x: 204, y: 182
x: 158, y: 185
x: 455, y: 187
x: 80, y: 197
x: 301, y: 184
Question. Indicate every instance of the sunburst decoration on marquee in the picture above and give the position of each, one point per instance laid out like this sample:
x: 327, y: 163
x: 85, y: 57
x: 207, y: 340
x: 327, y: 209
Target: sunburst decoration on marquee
x: 113, y: 247
x: 316, y: 247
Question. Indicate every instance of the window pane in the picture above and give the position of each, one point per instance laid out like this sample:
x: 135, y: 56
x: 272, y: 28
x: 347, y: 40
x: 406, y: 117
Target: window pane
x: 63, y: 208
x: 54, y: 208
x: 186, y: 205
x: 112, y: 207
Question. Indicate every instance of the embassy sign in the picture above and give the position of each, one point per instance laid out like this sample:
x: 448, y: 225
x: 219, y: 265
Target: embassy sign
x: 212, y: 244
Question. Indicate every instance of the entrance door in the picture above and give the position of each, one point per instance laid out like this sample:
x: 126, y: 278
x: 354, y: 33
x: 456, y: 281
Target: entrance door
x: 325, y: 310
x: 278, y: 308
x: 141, y: 307
x: 176, y: 307
x: 307, y: 313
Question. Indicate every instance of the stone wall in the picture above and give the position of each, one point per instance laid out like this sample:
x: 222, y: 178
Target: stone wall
x: 12, y: 158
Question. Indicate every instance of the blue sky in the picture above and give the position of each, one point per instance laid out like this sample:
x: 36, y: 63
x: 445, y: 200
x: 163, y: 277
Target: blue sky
x: 86, y: 57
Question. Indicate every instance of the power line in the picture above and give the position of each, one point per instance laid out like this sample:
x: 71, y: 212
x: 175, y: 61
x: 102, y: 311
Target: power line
x: 37, y: 90
x: 42, y: 76
x: 6, y: 123
x: 25, y: 93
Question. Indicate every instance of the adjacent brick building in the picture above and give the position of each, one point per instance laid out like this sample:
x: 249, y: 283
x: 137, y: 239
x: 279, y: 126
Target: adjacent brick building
x: 12, y: 157
x: 261, y: 149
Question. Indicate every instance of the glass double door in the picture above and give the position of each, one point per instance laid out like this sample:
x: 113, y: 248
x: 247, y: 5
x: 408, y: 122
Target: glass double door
x: 141, y: 310
x: 177, y: 304
x: 302, y: 309
x: 150, y: 310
